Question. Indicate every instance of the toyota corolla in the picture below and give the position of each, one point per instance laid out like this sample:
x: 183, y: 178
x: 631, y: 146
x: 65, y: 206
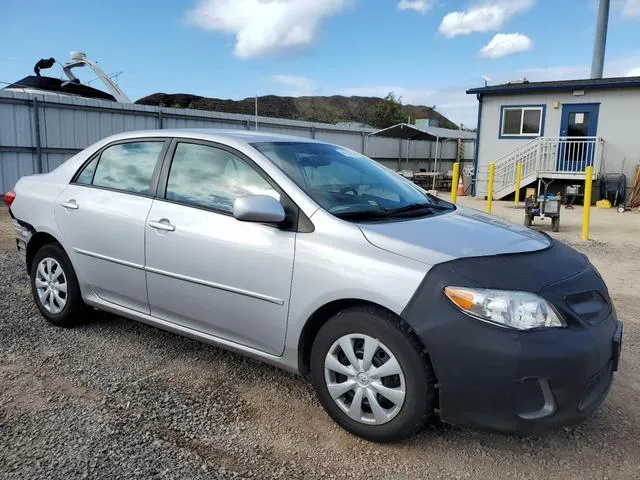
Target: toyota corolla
x: 398, y: 305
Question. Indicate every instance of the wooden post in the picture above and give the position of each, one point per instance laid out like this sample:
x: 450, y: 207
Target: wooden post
x: 518, y: 181
x: 454, y: 182
x: 586, y: 210
x: 492, y: 172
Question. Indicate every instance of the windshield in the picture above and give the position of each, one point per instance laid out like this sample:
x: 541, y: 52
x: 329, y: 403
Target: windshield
x: 347, y: 184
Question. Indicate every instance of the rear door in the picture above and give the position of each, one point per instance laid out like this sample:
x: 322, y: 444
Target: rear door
x: 205, y: 269
x: 102, y: 215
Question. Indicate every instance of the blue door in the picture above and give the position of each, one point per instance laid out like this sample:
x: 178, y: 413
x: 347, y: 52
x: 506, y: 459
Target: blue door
x: 579, y: 124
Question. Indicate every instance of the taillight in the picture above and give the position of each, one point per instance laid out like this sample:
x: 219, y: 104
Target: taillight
x: 9, y: 197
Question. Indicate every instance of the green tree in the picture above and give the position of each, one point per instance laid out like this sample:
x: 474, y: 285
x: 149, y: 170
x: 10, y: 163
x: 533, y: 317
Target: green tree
x: 389, y: 112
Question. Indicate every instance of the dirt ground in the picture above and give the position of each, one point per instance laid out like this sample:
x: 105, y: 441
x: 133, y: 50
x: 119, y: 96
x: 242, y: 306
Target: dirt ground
x: 116, y: 399
x: 7, y: 236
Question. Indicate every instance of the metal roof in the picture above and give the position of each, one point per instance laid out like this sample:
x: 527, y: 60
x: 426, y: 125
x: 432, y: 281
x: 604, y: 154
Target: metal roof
x: 411, y: 132
x: 560, y: 85
x: 354, y: 125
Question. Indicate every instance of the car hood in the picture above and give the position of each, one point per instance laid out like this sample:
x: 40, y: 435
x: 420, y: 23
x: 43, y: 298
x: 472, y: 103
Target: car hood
x: 462, y: 233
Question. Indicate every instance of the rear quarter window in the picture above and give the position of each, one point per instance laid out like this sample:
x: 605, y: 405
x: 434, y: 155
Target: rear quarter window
x: 85, y: 177
x: 128, y: 166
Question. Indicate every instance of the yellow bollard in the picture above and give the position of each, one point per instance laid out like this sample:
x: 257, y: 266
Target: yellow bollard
x: 586, y: 210
x: 454, y: 182
x: 518, y: 180
x: 492, y: 172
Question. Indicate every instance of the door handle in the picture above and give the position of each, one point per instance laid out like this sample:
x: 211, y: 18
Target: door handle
x: 163, y: 225
x: 71, y: 205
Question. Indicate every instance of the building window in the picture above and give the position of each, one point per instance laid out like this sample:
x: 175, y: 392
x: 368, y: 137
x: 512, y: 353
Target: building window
x: 522, y: 121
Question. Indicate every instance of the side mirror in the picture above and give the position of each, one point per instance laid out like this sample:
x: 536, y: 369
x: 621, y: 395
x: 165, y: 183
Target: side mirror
x: 258, y: 208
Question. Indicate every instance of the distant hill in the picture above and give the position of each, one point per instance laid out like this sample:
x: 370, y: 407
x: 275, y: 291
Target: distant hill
x: 332, y: 109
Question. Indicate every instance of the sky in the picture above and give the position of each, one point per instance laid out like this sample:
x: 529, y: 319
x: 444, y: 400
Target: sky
x: 427, y: 52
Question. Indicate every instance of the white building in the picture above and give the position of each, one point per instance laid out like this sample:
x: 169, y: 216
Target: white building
x: 556, y: 129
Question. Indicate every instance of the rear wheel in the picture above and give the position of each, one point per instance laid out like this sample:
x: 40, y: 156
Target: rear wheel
x: 55, y: 287
x: 371, y: 376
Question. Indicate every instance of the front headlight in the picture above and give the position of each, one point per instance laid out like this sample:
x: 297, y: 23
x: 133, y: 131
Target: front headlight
x: 519, y: 310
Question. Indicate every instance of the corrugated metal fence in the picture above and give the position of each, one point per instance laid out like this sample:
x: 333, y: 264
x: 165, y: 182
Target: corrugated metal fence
x: 39, y: 132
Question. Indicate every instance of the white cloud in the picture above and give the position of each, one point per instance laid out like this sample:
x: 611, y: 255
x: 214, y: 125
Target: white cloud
x: 622, y: 66
x: 614, y: 67
x: 483, y: 17
x: 295, y: 86
x: 263, y: 27
x: 631, y: 8
x: 504, y: 44
x: 543, y: 74
x: 420, y: 6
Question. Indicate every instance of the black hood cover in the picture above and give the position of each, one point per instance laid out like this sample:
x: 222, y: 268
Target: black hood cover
x: 525, y: 271
x: 558, y: 273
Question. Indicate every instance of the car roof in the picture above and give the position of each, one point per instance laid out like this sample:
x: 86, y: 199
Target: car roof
x: 214, y: 134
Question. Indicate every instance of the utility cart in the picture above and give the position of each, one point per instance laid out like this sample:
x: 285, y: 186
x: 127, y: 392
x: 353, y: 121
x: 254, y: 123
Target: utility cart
x: 546, y: 205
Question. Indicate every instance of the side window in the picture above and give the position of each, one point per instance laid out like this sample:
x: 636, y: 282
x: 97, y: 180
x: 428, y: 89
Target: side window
x: 127, y: 166
x: 213, y: 178
x: 86, y: 176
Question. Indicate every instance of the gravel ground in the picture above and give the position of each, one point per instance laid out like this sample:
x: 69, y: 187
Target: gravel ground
x: 117, y: 399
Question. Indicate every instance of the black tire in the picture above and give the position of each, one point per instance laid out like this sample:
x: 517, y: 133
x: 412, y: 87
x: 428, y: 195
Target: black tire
x: 528, y: 220
x: 419, y: 400
x: 74, y: 309
x: 555, y: 224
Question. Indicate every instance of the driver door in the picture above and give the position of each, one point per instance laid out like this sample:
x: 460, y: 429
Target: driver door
x: 205, y: 269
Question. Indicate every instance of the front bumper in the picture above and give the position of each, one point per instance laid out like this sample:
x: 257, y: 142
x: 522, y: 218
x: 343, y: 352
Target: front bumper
x: 527, y: 382
x: 520, y: 381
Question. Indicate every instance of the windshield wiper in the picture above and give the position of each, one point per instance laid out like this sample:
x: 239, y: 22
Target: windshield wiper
x: 381, y: 214
x: 362, y: 215
x: 412, y: 207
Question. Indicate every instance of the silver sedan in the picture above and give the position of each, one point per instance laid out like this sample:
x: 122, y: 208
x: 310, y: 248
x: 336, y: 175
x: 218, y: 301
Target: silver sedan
x: 320, y: 260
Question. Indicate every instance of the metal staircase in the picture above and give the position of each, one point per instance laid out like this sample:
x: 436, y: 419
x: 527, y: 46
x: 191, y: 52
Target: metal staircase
x: 545, y: 157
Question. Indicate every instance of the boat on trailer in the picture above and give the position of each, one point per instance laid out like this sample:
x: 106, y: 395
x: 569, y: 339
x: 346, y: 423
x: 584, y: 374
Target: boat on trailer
x: 69, y: 84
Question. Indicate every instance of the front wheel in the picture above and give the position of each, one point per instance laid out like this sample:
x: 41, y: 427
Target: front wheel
x: 55, y: 287
x: 371, y: 376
